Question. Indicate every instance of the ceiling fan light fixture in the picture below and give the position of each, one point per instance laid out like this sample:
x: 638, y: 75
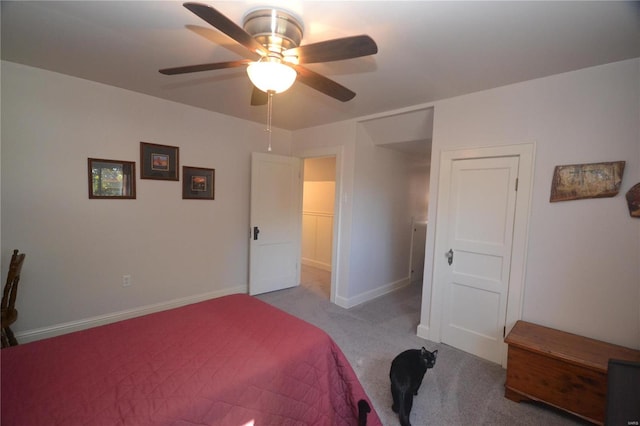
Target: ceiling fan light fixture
x: 271, y: 76
x: 275, y: 35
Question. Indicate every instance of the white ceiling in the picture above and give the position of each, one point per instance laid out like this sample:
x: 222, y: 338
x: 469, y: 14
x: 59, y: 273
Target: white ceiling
x: 427, y: 50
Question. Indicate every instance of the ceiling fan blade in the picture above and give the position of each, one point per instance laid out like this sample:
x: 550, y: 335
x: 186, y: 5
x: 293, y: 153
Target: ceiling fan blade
x: 204, y: 67
x: 323, y: 84
x: 258, y: 97
x: 227, y: 26
x: 334, y: 50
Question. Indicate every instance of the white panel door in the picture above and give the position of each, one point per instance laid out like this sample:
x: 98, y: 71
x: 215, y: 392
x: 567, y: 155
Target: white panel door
x: 276, y: 206
x: 481, y: 212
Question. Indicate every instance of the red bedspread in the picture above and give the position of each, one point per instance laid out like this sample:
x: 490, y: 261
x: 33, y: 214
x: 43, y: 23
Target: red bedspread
x: 227, y: 361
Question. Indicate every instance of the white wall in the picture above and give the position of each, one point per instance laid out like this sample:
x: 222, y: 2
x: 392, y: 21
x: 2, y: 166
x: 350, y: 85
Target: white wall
x: 409, y: 131
x: 419, y: 168
x: 582, y: 274
x: 78, y: 249
x: 381, y: 229
x: 319, y: 196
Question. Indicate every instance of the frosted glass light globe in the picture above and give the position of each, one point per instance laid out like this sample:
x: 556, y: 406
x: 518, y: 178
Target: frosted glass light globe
x: 271, y: 76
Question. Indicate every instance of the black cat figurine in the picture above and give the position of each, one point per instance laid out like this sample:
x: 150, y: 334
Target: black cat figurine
x: 406, y: 374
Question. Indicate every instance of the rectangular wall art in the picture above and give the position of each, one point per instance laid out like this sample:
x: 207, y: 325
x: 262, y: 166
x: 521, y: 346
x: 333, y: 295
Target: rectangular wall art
x: 159, y: 161
x: 112, y: 179
x: 595, y: 180
x: 198, y: 183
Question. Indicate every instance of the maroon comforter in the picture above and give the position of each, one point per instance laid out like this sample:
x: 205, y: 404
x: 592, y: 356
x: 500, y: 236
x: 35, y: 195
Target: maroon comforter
x: 227, y: 361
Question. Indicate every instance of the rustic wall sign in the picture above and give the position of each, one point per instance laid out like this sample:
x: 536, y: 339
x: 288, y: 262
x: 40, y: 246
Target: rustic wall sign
x: 633, y: 200
x: 595, y: 180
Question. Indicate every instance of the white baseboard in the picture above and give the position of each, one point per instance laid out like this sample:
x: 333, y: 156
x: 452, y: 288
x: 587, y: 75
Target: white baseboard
x: 68, y: 327
x: 423, y: 331
x: 350, y: 302
x: 316, y: 264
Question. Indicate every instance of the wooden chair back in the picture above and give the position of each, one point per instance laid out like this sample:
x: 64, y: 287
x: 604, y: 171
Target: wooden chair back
x: 9, y: 312
x: 13, y: 277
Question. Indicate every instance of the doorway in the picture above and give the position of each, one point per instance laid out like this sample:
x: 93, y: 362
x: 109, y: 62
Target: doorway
x: 318, y: 217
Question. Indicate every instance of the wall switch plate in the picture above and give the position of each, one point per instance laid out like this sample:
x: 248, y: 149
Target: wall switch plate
x: 126, y: 281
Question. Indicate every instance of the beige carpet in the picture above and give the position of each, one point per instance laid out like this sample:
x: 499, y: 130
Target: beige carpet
x: 460, y: 390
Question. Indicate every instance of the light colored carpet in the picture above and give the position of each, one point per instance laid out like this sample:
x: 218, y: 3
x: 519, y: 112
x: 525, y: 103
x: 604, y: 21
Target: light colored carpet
x: 460, y: 390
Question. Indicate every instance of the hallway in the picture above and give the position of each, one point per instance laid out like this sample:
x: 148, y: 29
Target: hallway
x: 317, y: 280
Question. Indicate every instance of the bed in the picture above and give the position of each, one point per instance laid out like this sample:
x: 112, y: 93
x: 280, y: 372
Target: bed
x: 233, y: 360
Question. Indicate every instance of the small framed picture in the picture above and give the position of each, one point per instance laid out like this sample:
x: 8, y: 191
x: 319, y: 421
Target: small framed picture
x: 112, y: 179
x: 198, y: 183
x: 159, y: 161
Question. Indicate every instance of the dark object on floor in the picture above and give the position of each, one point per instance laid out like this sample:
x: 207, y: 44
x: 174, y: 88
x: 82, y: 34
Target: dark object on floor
x: 406, y: 374
x: 9, y: 312
x: 363, y: 410
x: 623, y: 393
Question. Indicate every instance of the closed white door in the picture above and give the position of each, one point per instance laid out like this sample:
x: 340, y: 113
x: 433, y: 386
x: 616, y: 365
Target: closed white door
x: 274, y: 252
x: 480, y: 215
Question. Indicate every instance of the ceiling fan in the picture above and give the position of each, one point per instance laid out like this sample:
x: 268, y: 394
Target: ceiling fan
x: 275, y: 35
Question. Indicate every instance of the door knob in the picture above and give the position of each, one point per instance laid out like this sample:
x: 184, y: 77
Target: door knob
x: 256, y: 231
x: 449, y: 256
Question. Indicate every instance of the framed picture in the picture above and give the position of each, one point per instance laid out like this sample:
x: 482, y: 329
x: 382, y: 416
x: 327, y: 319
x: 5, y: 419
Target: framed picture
x: 594, y: 180
x: 198, y: 183
x: 159, y: 161
x: 112, y: 179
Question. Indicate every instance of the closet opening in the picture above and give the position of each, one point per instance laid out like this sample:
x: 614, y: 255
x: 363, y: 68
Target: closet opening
x: 318, y: 215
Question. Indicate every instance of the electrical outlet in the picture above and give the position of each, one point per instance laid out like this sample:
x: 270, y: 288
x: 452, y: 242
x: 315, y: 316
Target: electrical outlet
x: 126, y: 281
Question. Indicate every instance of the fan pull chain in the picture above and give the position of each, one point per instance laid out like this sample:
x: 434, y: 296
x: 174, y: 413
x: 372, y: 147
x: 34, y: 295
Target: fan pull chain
x: 269, y: 115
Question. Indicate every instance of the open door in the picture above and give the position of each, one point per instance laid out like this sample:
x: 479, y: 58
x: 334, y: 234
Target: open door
x: 274, y: 251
